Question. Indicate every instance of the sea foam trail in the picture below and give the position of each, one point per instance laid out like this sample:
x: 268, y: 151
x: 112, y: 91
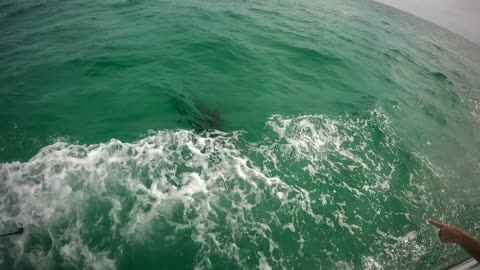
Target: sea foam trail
x: 132, y: 184
x: 270, y: 204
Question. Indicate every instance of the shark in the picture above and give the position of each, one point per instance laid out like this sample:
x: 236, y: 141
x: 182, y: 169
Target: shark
x: 199, y: 116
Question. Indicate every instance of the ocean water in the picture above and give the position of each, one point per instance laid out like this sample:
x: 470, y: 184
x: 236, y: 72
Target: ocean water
x: 233, y: 135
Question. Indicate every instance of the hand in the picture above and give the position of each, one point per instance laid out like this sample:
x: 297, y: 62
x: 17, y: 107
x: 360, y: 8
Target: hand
x: 448, y: 233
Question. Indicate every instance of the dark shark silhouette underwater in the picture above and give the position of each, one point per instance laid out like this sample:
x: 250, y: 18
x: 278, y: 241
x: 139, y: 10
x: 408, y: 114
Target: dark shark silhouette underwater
x: 197, y: 115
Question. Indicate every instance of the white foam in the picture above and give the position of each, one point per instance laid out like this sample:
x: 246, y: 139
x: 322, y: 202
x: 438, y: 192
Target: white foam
x: 201, y: 184
x: 262, y: 262
x: 289, y: 226
x: 369, y: 263
x: 59, y: 182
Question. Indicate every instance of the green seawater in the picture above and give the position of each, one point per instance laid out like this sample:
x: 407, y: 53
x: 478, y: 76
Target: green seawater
x: 296, y: 134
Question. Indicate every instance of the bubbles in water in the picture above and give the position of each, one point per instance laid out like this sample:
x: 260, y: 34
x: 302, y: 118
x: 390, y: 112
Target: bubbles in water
x: 313, y: 183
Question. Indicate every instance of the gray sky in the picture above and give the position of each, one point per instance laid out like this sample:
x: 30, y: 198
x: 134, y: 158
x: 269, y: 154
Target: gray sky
x: 461, y: 17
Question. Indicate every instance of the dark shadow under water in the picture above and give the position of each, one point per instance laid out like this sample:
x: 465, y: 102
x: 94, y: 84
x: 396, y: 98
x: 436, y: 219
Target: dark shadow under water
x: 196, y: 114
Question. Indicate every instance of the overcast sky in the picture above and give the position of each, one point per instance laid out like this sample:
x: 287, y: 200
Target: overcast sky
x: 459, y: 16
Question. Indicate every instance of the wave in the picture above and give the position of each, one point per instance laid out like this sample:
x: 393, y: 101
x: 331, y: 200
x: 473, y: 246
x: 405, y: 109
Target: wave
x: 312, y: 183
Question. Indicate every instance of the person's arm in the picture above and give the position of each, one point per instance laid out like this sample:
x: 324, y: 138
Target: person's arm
x: 452, y: 234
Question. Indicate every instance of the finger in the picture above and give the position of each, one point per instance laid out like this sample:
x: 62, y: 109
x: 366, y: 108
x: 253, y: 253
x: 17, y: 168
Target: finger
x: 445, y: 237
x: 441, y: 236
x: 436, y: 223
